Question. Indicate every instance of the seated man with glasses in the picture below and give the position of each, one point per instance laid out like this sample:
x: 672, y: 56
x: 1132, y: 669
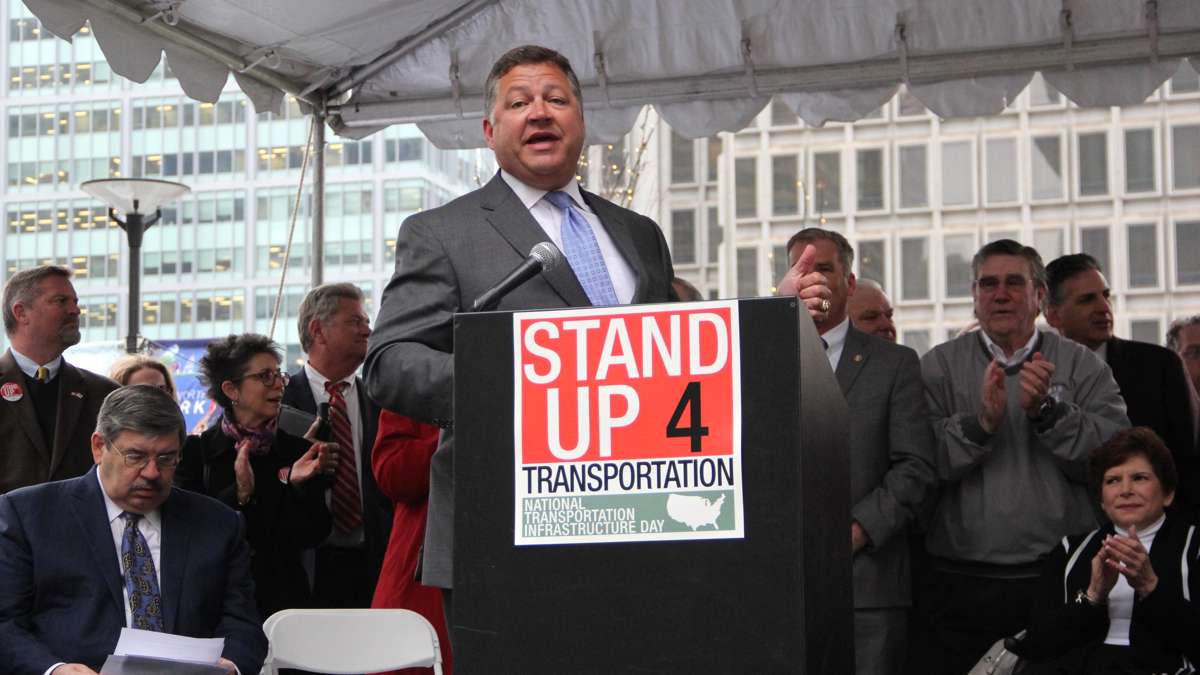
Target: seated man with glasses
x: 119, y: 546
x: 1014, y: 411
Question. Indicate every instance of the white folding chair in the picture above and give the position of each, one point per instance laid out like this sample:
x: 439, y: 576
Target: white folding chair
x: 339, y: 641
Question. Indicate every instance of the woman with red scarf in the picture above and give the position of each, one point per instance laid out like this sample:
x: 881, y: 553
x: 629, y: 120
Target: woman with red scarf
x: 400, y: 460
x: 271, y: 477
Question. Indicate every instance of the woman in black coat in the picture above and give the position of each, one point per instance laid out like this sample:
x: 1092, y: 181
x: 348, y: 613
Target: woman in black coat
x: 271, y: 477
x: 1123, y: 598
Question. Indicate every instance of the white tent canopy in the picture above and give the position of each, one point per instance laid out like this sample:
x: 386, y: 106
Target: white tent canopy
x: 707, y: 65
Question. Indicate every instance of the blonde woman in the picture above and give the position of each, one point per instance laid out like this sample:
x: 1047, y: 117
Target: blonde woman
x: 141, y: 369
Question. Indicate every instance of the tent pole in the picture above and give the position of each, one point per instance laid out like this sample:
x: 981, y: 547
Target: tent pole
x: 318, y: 199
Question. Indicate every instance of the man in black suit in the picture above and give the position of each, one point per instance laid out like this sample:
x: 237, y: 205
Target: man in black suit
x: 891, y: 456
x: 333, y: 333
x: 119, y: 546
x: 448, y: 256
x: 48, y: 407
x: 1152, y: 379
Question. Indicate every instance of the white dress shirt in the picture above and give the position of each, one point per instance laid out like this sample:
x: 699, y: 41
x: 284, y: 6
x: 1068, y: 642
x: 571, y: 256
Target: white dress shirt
x: 1017, y: 357
x: 835, y: 341
x: 29, y: 366
x: 316, y: 382
x: 550, y: 217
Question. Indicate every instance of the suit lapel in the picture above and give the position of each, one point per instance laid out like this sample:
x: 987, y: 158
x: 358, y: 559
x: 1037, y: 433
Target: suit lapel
x: 300, y: 393
x: 173, y: 560
x: 25, y: 414
x: 88, y: 507
x: 70, y: 403
x: 854, y: 356
x: 612, y: 219
x: 505, y: 212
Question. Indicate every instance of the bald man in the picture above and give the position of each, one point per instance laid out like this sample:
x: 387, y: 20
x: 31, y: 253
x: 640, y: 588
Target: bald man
x: 871, y: 311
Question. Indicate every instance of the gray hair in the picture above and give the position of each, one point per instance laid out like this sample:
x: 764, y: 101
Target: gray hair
x: 1177, y: 327
x: 811, y: 234
x: 140, y: 409
x: 520, y: 56
x: 22, y: 287
x: 1012, y: 248
x: 321, y: 304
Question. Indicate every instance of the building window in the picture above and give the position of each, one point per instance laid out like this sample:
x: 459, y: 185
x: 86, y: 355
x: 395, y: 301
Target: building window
x: 1049, y: 243
x: 958, y: 174
x: 683, y: 157
x: 1146, y: 330
x: 870, y: 179
x: 404, y: 149
x: 785, y: 183
x: 1094, y: 242
x: 716, y: 234
x: 917, y: 340
x: 1001, y: 170
x: 1187, y: 266
x: 714, y: 159
x: 959, y: 249
x: 1139, y: 160
x: 747, y: 272
x: 1185, y: 152
x: 746, y: 188
x: 779, y: 264
x: 1142, y: 241
x: 914, y: 192
x: 914, y: 268
x: 683, y: 237
x: 827, y: 182
x: 872, y: 261
x: 1046, y: 170
x: 1093, y: 164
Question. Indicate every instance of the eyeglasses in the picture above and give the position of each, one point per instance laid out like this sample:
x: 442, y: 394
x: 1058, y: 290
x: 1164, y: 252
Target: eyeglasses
x: 268, y: 377
x: 136, y: 459
x: 1013, y: 283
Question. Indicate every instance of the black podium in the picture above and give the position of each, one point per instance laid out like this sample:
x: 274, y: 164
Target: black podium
x: 777, y: 598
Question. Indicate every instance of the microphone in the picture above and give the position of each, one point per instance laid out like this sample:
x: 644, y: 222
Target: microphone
x: 543, y: 257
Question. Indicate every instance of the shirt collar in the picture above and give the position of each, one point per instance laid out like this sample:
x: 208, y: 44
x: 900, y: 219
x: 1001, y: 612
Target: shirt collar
x: 1018, y: 355
x: 318, y: 380
x: 835, y: 337
x: 1102, y: 351
x: 530, y: 196
x: 153, y: 519
x: 29, y: 366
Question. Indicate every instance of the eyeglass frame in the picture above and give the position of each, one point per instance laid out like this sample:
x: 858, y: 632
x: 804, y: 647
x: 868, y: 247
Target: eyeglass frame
x: 990, y: 285
x: 276, y: 374
x: 176, y: 456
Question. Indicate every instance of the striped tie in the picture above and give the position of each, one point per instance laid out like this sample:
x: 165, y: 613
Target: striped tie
x: 347, y: 507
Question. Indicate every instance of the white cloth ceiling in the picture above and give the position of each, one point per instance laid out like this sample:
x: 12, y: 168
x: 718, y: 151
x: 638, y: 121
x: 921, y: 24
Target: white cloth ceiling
x: 707, y: 65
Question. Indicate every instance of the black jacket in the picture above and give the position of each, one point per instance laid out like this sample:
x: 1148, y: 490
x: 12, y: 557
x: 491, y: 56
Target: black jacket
x: 1063, y: 631
x: 281, y: 520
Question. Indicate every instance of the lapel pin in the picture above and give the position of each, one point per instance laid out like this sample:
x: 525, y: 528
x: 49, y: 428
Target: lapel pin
x: 11, y: 392
x: 76, y: 394
x: 858, y: 358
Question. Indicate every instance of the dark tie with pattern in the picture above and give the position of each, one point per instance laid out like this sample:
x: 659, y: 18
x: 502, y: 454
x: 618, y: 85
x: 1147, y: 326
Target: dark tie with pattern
x: 347, y: 507
x: 145, y: 604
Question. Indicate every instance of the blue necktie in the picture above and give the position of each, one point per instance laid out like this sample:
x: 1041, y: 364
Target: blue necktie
x: 582, y: 251
x: 145, y: 604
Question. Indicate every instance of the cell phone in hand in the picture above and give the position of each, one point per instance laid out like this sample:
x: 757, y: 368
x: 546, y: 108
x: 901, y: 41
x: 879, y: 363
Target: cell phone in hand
x: 294, y: 421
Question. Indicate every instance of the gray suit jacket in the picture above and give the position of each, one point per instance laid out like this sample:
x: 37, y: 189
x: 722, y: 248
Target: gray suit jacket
x: 26, y: 459
x: 447, y: 257
x: 891, y: 461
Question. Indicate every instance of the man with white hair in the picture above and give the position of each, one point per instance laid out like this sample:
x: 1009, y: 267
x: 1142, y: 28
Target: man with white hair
x: 871, y: 311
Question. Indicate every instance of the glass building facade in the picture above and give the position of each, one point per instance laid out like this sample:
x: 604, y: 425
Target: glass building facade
x: 918, y: 195
x: 213, y: 263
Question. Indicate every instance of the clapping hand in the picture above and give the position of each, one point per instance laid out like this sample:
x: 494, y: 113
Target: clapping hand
x: 1035, y: 382
x: 1126, y: 555
x: 994, y: 398
x: 321, y: 457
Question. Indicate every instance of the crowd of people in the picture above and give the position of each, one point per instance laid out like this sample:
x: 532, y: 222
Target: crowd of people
x: 1018, y: 479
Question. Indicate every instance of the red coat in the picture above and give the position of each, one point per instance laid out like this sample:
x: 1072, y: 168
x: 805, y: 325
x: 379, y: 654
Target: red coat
x: 400, y: 462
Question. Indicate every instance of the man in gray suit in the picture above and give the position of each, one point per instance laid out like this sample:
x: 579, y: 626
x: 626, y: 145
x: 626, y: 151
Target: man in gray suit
x: 891, y: 456
x: 448, y: 256
x: 47, y: 406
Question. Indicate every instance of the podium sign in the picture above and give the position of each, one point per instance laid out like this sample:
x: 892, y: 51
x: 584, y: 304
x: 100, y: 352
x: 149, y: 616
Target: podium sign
x: 627, y: 424
x: 649, y: 489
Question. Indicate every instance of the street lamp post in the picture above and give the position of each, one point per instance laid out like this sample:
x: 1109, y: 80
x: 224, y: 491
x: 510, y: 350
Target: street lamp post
x: 134, y: 197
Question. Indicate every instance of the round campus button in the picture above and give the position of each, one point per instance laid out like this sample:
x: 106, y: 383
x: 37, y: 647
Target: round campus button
x: 11, y: 392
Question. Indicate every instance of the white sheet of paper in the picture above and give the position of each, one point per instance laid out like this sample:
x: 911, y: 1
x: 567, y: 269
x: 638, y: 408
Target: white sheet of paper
x: 136, y: 642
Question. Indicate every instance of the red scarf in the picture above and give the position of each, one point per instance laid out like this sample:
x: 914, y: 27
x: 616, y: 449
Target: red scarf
x: 260, y: 439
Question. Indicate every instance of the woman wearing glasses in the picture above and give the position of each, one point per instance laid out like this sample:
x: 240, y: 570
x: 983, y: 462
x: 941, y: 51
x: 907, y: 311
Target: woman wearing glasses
x: 271, y: 477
